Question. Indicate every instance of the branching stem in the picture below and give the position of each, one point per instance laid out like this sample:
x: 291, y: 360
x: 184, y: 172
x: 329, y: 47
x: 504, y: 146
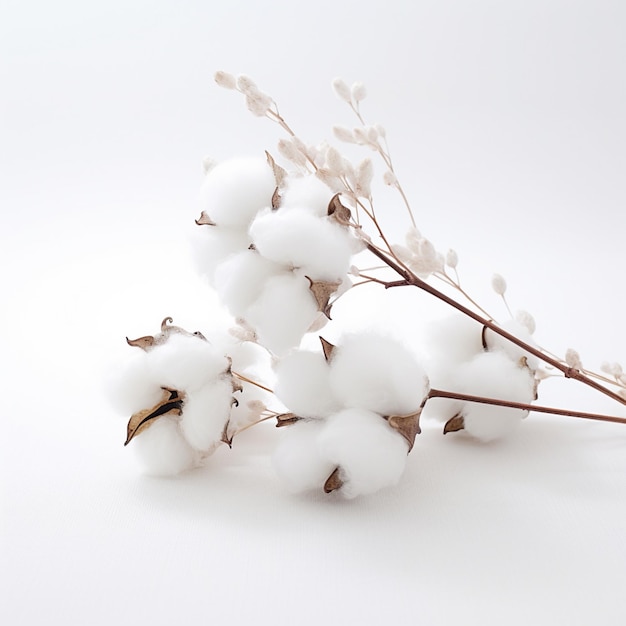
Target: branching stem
x: 439, y: 393
x: 409, y: 278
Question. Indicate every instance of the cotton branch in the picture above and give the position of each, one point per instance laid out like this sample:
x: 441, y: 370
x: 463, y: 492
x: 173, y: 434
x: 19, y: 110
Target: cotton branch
x: 409, y: 278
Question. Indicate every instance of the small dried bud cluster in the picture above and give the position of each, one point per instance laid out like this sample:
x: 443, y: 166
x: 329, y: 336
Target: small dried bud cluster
x: 420, y: 255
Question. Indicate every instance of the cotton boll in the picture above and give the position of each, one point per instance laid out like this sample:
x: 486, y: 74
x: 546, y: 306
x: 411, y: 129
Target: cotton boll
x: 185, y: 362
x: 162, y: 450
x: 282, y: 312
x: 205, y: 412
x: 297, y: 459
x: 235, y: 190
x: 131, y: 387
x: 494, y: 375
x: 514, y: 352
x: 307, y: 192
x: 211, y: 245
x: 297, y: 238
x: 369, y: 453
x: 377, y: 373
x: 454, y: 340
x: 240, y: 279
x: 303, y: 384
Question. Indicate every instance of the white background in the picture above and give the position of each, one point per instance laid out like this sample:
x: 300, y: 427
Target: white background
x: 506, y: 123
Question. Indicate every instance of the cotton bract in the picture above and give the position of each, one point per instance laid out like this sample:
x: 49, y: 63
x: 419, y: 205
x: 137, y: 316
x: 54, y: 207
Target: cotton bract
x: 180, y: 395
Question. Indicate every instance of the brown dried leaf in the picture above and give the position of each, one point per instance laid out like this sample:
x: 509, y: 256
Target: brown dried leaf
x: 205, y: 220
x: 276, y: 199
x: 142, y: 342
x: 171, y: 403
x: 226, y: 438
x: 279, y: 173
x: 327, y: 347
x: 322, y: 290
x: 338, y: 211
x: 285, y: 419
x: 407, y: 425
x: 454, y: 424
x: 333, y: 482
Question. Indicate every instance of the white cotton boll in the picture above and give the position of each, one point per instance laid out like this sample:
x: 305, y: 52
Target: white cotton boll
x: 306, y: 192
x: 131, y: 387
x: 369, y: 453
x: 240, y: 279
x: 303, y: 384
x: 211, y: 245
x: 185, y: 362
x: 297, y: 459
x: 283, y: 312
x: 321, y: 248
x: 494, y: 375
x: 205, y: 412
x: 161, y: 449
x: 514, y: 352
x: 453, y: 340
x: 235, y: 190
x: 377, y: 373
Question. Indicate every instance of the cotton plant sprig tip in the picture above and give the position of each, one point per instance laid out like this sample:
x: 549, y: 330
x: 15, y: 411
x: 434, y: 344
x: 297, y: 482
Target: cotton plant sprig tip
x: 225, y: 80
x: 498, y: 284
x: 342, y: 90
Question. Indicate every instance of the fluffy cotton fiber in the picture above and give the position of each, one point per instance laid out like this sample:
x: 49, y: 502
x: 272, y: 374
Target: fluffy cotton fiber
x: 162, y: 450
x: 235, y: 190
x: 368, y: 452
x: 303, y: 384
x: 377, y: 373
x: 298, y: 238
x: 494, y: 375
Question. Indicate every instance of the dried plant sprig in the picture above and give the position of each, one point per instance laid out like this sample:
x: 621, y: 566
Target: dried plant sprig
x: 340, y: 175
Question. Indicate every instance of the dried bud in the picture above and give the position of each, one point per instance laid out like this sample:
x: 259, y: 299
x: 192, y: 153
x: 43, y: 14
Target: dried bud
x: 246, y: 85
x: 527, y: 320
x: 258, y: 103
x: 572, y: 358
x: 389, y: 178
x: 364, y: 175
x: 225, y: 80
x: 342, y: 90
x: 343, y: 134
x: 613, y: 369
x: 452, y: 259
x: 498, y: 284
x: 358, y: 91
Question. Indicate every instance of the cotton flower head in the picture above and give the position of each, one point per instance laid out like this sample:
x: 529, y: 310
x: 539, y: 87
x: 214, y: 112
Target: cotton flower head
x: 184, y: 387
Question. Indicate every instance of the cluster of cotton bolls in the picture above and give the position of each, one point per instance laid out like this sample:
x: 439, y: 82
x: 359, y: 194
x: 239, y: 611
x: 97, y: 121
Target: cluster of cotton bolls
x: 354, y: 413
x: 468, y: 359
x: 271, y: 250
x: 179, y: 389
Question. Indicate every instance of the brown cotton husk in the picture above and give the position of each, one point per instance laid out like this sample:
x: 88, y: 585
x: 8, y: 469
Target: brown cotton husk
x: 327, y: 348
x: 142, y: 342
x: 205, y: 220
x: 454, y: 424
x: 322, y: 290
x: 407, y: 425
x: 333, y: 482
x: 171, y: 403
x: 338, y: 212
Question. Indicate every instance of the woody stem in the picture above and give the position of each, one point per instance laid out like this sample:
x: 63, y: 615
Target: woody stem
x: 411, y: 279
x: 463, y: 397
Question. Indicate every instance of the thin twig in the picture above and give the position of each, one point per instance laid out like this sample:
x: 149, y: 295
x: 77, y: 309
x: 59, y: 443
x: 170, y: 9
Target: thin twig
x: 412, y: 279
x: 439, y: 393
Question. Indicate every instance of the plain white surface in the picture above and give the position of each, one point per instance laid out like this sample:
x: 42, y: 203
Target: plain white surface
x: 506, y: 123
